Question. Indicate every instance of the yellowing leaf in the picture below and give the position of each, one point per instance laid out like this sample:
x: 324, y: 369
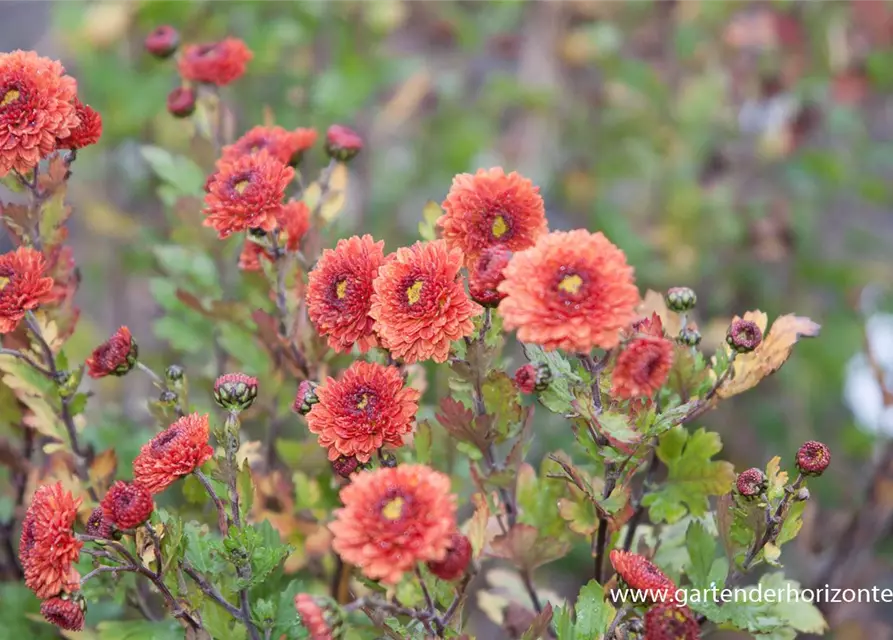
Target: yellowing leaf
x: 334, y: 200
x: 477, y: 528
x: 777, y: 479
x: 772, y: 353
x: 102, y: 470
x: 653, y: 302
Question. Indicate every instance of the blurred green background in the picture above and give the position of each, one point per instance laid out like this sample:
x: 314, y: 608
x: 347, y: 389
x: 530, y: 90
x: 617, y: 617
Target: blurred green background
x: 740, y: 148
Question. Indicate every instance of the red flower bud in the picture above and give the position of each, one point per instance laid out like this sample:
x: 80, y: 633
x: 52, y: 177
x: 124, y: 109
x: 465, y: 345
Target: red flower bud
x: 181, y: 102
x: 342, y: 143
x: 744, y: 336
x: 486, y: 274
x: 813, y: 458
x: 235, y: 391
x: 456, y: 561
x: 345, y: 466
x: 669, y: 621
x: 66, y: 612
x: 127, y: 505
x: 162, y: 42
x: 751, y: 483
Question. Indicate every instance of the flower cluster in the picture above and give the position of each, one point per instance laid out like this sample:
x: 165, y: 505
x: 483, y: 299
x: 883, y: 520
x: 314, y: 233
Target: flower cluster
x: 40, y: 112
x: 48, y: 547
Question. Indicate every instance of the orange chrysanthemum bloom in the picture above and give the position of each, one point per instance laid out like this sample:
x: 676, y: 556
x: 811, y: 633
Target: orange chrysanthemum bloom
x: 114, y: 357
x: 216, y: 63
x: 642, y: 367
x: 48, y: 546
x: 393, y: 518
x: 66, y: 613
x: 573, y: 290
x: 87, y: 132
x: 486, y: 274
x: 127, y: 505
x: 367, y: 408
x: 491, y: 208
x: 36, y: 108
x: 339, y: 292
x: 313, y: 618
x: 640, y: 573
x: 285, y: 146
x: 294, y: 222
x: 246, y: 193
x: 26, y: 286
x: 175, y: 452
x: 419, y: 303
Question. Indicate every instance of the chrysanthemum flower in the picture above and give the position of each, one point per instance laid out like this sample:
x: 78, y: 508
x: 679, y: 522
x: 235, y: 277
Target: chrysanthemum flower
x: 491, y: 208
x: 751, y: 483
x: 573, y: 290
x: 98, y: 525
x: 642, y: 367
x: 26, y: 285
x: 65, y: 612
x: 419, y: 304
x: 339, y: 292
x: 235, y: 391
x: 453, y: 566
x: 393, y: 518
x: 246, y: 193
x: 127, y: 505
x: 88, y: 131
x: 36, y: 108
x: 114, y: 357
x: 485, y: 275
x: 177, y: 451
x: 285, y: 146
x: 367, y: 408
x: 216, y: 63
x: 48, y: 546
x: 313, y: 618
x: 294, y: 222
x: 640, y: 573
x: 343, y: 143
x: 669, y: 621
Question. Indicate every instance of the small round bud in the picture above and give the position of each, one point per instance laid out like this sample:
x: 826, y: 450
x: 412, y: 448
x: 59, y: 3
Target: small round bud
x: 455, y: 562
x: 681, y: 299
x: 344, y: 466
x: 305, y: 398
x: 751, y: 483
x: 162, y: 42
x: 803, y: 495
x: 813, y: 458
x: 168, y: 398
x: 235, y: 391
x: 744, y: 336
x: 533, y: 377
x: 387, y: 460
x: 342, y: 143
x: 174, y: 373
x: 486, y: 275
x: 66, y: 611
x: 689, y: 337
x: 181, y: 102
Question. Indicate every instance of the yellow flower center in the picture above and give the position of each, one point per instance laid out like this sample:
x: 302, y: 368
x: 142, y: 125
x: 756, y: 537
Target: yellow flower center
x: 393, y: 509
x: 240, y: 186
x: 571, y: 284
x: 341, y: 289
x: 414, y: 293
x: 364, y: 401
x: 11, y: 96
x: 499, y: 227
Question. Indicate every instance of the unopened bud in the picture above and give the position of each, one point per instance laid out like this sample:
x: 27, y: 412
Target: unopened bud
x: 803, y: 495
x: 813, y: 458
x: 168, y: 398
x: 689, y: 337
x: 235, y: 391
x: 174, y: 373
x: 751, y: 483
x: 305, y: 398
x: 681, y: 299
x: 181, y: 102
x: 345, y: 466
x: 162, y: 42
x: 454, y: 564
x: 342, y: 143
x: 744, y: 336
x: 533, y: 377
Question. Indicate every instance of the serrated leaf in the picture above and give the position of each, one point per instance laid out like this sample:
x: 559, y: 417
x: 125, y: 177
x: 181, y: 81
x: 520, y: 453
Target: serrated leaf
x: 540, y: 623
x: 557, y: 397
x: 692, y: 475
x: 701, y: 547
x: 525, y: 547
x: 593, y: 613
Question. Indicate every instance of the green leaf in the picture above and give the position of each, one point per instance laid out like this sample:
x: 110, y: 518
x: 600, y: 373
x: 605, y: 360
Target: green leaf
x: 178, y: 171
x: 692, y: 475
x: 242, y: 345
x: 501, y: 400
x: 267, y: 552
x: 594, y: 614
x: 193, y: 490
x: 557, y: 397
x: 423, y: 442
x: 430, y: 213
x: 701, y: 547
x: 190, y: 263
x: 563, y: 620
x: 202, y: 549
x: 138, y: 630
x: 246, y: 489
x: 617, y: 427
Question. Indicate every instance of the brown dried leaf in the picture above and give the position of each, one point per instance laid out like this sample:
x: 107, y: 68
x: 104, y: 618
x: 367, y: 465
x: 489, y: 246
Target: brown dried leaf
x: 774, y: 350
x: 102, y: 470
x: 462, y: 424
x: 476, y: 529
x: 653, y: 302
x: 524, y: 546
